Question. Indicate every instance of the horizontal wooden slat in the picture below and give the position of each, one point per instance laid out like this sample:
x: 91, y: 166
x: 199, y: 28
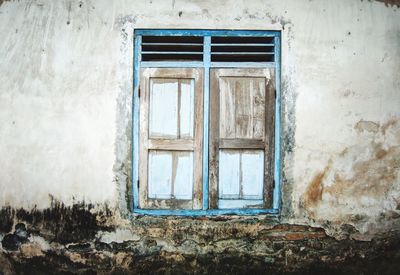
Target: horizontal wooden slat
x: 241, y: 64
x: 172, y: 57
x: 191, y: 64
x: 242, y: 53
x: 171, y: 144
x: 242, y: 44
x: 171, y: 53
x: 171, y: 204
x: 177, y: 44
x: 241, y: 144
x: 172, y: 64
x: 229, y: 204
x: 242, y: 58
x: 240, y: 72
x: 241, y: 39
x: 186, y: 73
x: 171, y: 39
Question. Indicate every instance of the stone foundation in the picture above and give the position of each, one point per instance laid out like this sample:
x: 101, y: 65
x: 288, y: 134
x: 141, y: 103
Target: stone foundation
x: 80, y: 240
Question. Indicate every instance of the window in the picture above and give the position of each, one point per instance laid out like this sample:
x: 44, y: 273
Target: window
x: 206, y: 122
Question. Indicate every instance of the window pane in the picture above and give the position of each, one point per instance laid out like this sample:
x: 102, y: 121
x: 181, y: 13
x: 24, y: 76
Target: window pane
x: 229, y: 174
x: 241, y: 174
x: 163, y: 108
x: 183, y: 182
x: 253, y: 174
x: 170, y: 175
x: 160, y: 176
x: 171, y: 108
x: 186, y: 108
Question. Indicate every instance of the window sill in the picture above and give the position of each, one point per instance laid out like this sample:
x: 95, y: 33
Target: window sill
x: 210, y: 212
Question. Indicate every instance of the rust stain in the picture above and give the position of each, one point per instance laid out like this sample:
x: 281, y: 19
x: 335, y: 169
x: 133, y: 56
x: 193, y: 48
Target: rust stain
x: 390, y: 123
x: 380, y: 153
x: 373, y: 177
x: 315, y: 189
x: 339, y: 185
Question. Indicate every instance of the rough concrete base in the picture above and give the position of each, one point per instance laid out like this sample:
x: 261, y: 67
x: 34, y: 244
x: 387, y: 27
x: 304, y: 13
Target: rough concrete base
x: 82, y: 240
x: 272, y: 255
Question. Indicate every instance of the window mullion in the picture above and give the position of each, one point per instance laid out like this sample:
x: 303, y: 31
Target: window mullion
x: 207, y: 65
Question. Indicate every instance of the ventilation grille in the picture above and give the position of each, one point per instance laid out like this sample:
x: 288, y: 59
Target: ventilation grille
x: 223, y: 48
x: 242, y: 49
x: 172, y: 48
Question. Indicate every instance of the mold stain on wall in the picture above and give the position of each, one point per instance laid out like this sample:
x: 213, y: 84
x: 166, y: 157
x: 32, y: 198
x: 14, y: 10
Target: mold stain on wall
x: 163, y: 245
x: 60, y: 223
x: 289, y: 97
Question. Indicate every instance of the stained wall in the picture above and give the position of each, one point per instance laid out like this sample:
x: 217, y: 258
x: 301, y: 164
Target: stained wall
x: 66, y: 89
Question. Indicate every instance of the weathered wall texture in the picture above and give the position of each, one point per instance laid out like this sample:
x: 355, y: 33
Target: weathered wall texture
x: 65, y: 150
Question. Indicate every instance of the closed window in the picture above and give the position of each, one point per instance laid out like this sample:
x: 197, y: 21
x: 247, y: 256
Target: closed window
x: 171, y: 138
x: 241, y: 137
x: 206, y: 122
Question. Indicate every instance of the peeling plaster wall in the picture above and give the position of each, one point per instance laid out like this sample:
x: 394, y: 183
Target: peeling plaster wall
x: 66, y: 87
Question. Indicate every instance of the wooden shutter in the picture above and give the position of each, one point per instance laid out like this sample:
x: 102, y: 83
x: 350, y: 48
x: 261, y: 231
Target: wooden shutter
x: 241, y: 138
x: 171, y: 132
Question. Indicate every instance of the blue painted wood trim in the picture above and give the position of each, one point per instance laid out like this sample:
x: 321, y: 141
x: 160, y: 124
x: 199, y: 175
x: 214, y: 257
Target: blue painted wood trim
x: 277, y: 164
x: 211, y: 212
x: 195, y: 64
x: 181, y: 53
x: 163, y: 64
x: 206, y: 65
x: 242, y: 64
x: 206, y: 118
x: 135, y: 120
x: 183, y: 32
x: 243, y: 45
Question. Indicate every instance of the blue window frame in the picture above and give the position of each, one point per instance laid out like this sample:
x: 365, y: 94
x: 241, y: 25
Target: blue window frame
x: 207, y: 63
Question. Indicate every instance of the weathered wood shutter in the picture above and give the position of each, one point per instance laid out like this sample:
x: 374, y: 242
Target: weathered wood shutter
x: 171, y: 132
x: 241, y: 138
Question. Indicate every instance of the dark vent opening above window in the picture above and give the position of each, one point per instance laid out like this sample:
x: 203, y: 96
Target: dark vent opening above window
x: 172, y: 48
x: 223, y: 48
x: 242, y: 49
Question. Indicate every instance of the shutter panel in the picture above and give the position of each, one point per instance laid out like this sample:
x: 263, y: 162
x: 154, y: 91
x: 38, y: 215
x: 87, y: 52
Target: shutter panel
x: 171, y: 131
x: 241, y: 138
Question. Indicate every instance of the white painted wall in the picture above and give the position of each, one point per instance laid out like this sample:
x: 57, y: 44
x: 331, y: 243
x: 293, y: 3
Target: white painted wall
x: 66, y: 74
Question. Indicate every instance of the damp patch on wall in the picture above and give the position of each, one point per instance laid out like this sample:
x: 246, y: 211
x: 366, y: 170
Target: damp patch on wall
x: 360, y: 185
